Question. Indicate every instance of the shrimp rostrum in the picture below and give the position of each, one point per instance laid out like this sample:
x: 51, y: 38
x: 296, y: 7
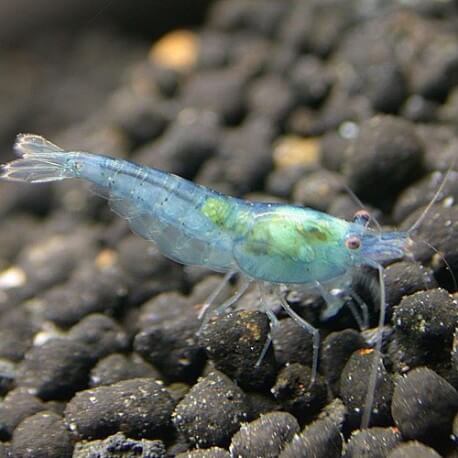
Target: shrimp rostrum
x: 274, y: 243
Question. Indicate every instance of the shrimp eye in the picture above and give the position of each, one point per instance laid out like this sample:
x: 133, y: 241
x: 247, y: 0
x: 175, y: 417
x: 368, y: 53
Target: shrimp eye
x: 353, y: 243
x: 362, y: 217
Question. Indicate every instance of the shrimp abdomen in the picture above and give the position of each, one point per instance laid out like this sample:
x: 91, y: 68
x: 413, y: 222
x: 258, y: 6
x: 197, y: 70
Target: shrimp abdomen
x: 159, y: 206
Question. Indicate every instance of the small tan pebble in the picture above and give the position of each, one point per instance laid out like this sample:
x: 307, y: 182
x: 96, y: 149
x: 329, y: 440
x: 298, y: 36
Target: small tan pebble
x: 12, y: 278
x: 106, y: 259
x: 177, y: 50
x: 292, y: 150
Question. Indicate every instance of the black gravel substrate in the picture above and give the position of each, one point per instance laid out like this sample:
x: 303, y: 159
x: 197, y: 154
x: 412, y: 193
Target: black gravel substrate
x: 101, y: 351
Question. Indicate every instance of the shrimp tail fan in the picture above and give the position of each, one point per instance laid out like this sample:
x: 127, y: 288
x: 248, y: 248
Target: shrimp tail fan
x: 39, y: 161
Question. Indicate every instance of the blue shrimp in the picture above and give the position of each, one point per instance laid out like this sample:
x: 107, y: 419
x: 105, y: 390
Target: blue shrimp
x: 193, y: 225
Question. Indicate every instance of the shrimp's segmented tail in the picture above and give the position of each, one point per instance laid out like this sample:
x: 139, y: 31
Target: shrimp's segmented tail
x: 40, y: 161
x: 159, y: 206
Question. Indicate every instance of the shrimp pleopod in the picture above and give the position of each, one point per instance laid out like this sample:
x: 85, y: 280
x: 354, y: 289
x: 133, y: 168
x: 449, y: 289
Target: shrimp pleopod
x: 269, y: 243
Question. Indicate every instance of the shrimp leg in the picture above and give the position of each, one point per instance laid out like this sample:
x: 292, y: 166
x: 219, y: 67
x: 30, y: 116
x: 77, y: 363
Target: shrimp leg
x: 334, y: 304
x: 378, y: 347
x: 227, y: 303
x: 273, y: 324
x: 309, y: 328
x: 235, y: 297
x: 364, y: 310
x: 207, y: 304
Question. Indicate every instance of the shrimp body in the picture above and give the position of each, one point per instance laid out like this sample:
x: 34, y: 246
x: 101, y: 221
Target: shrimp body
x: 191, y: 224
x: 194, y: 225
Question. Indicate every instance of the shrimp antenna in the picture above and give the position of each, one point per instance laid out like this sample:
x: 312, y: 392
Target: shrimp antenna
x: 358, y: 202
x: 433, y: 200
x: 378, y: 351
x: 455, y: 285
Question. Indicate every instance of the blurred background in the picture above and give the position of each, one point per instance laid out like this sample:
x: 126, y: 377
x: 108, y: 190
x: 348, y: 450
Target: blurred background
x: 60, y: 60
x: 240, y: 95
x: 277, y: 100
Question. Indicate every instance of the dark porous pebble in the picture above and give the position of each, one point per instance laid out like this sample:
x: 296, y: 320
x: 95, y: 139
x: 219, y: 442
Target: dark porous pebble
x: 295, y: 393
x: 413, y: 449
x: 441, y: 146
x: 265, y: 436
x: 147, y: 267
x: 234, y: 342
x: 302, y: 123
x: 37, y: 202
x: 419, y: 109
x: 276, y: 108
x: 344, y: 207
x: 120, y: 446
x: 372, y: 443
x: 173, y: 348
x: 101, y: 334
x: 292, y: 344
x: 455, y: 428
x: 189, y: 141
x: 311, y: 81
x: 15, y: 407
x: 15, y: 232
x: 314, y: 27
x: 320, y: 439
x: 281, y: 60
x: 261, y: 403
x: 454, y: 355
x: 5, y: 451
x: 246, y: 155
x: 166, y: 79
x: 141, y: 258
x: 214, y: 49
x: 204, y: 288
x: 42, y: 435
x: 449, y: 111
x: 239, y: 14
x: 250, y: 56
x: 164, y: 307
x: 140, y: 408
x: 427, y: 316
x: 404, y: 278
x: 177, y: 391
x: 103, y: 293
x: 332, y: 148
x: 212, y: 452
x: 386, y: 86
x: 422, y: 192
x: 439, y: 229
x: 56, y: 369
x: 17, y: 331
x: 354, y: 383
x: 117, y: 367
x: 435, y: 73
x: 424, y: 405
x: 212, y: 411
x: 7, y: 376
x: 218, y: 91
x: 377, y: 75
x: 335, y: 412
x: 385, y: 157
x: 141, y: 119
x: 281, y: 181
x: 318, y: 190
x: 336, y: 350
x: 406, y: 353
x: 65, y: 253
